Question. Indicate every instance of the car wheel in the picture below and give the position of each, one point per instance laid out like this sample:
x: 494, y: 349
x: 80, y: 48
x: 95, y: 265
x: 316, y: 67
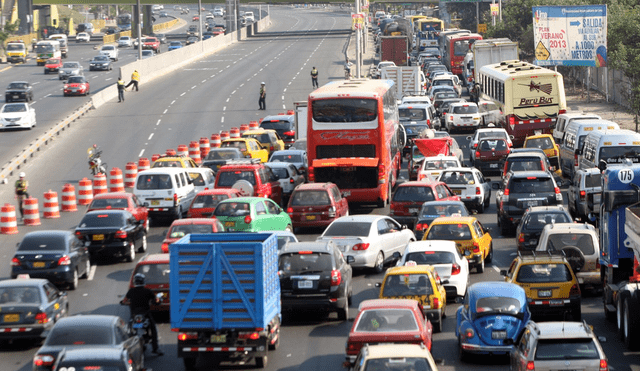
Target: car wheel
x: 349, y: 297
x: 87, y: 269
x: 576, y: 313
x: 461, y: 353
x: 131, y: 255
x: 261, y: 362
x: 74, y: 283
x: 631, y: 325
x: 143, y: 248
x: 504, y: 228
x: 620, y: 316
x: 480, y: 208
x: 489, y: 258
x: 378, y: 266
x: 437, y: 324
x: 343, y: 313
x: 480, y: 266
x: 189, y: 363
x: 147, y: 223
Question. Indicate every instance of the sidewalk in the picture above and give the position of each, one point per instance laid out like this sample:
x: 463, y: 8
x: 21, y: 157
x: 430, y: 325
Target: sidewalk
x: 368, y: 57
x: 577, y: 101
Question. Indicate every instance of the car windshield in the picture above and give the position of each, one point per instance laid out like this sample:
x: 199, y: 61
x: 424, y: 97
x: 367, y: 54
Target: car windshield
x: 617, y: 154
x: 453, y: 232
x: 413, y: 194
x: 543, y: 273
x: 175, y: 43
x: 208, y: 201
x: 76, y: 334
x: 566, y: 349
x: 101, y: 58
x: 443, y: 82
x: 538, y: 220
x: 542, y: 143
x: 465, y: 109
x: 181, y: 230
x: 345, y: 110
x: 197, y: 179
x: 102, y: 220
x: 397, y: 364
x: 286, y: 158
x: 386, y: 320
x: 154, y: 181
x: 229, y: 178
x: 443, y: 210
x: 34, y: 243
x: 19, y: 295
x: 280, y: 172
x: 174, y: 163
x: 222, y: 154
x: 276, y: 125
x: 154, y: 274
x: 493, y: 145
x: 457, y: 177
x: 498, y: 305
x: 431, y: 257
x: 70, y: 65
x: 491, y: 134
x: 53, y: 61
x: 416, y: 130
x: 581, y: 241
x: 18, y: 85
x: 310, y: 198
x: 11, y: 108
x: 13, y: 47
x: 524, y: 164
x: 305, y: 262
x: 397, y: 285
x: 233, y: 209
x: 440, y: 164
x: 109, y: 203
x: 345, y: 229
x: 75, y: 80
x: 415, y: 114
x: 536, y: 185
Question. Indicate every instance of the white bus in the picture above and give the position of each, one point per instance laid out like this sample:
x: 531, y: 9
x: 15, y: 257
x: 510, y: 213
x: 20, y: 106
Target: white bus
x: 530, y: 97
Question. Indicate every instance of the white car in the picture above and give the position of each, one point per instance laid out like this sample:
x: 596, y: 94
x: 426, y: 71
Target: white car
x: 203, y: 178
x: 17, y: 115
x: 432, y: 167
x: 462, y: 115
x: 288, y: 175
x: 218, y: 12
x: 381, y: 65
x: 371, y: 240
x: 445, y: 258
x: 111, y: 51
x: 470, y: 185
x: 248, y: 16
x: 208, y: 17
x: 446, y: 79
x: 83, y: 36
x: 147, y: 54
x: 410, y: 99
x: 486, y: 133
x: 125, y: 41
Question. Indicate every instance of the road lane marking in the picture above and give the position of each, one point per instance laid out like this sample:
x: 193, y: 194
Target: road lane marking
x: 150, y: 136
x: 183, y: 93
x: 48, y: 95
x: 107, y: 79
x: 141, y: 152
x: 228, y: 100
x: 165, y: 111
x: 92, y: 272
x: 194, y: 86
x: 224, y: 108
x: 158, y: 123
x: 222, y: 119
x: 205, y: 80
x: 173, y: 102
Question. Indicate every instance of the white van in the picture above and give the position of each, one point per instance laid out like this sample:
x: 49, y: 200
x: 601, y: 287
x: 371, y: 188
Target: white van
x: 565, y: 119
x: 575, y: 134
x: 64, y: 43
x: 416, y: 113
x: 611, y: 146
x: 203, y: 178
x: 248, y: 16
x: 167, y: 192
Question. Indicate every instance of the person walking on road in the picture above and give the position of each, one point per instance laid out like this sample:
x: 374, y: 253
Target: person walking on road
x: 263, y: 95
x: 21, y: 192
x: 121, y: 88
x: 135, y: 79
x: 314, y: 77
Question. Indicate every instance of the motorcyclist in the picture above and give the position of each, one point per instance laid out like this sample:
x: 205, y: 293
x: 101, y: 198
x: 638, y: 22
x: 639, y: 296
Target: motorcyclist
x: 347, y: 67
x: 95, y: 163
x: 139, y: 299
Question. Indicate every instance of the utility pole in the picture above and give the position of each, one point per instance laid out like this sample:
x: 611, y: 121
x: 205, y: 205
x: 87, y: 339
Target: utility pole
x: 358, y: 44
x: 139, y: 28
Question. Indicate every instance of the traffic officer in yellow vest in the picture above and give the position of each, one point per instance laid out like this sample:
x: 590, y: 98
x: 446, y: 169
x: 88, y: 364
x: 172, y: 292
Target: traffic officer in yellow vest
x: 121, y: 88
x: 135, y: 79
x: 21, y: 187
x: 314, y: 77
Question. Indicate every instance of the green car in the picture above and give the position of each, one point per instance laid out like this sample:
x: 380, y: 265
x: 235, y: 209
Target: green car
x: 252, y: 214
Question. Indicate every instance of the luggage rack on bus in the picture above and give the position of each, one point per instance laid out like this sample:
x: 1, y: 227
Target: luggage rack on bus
x: 541, y: 254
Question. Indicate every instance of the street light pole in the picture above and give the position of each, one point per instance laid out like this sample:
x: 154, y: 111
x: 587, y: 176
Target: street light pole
x: 139, y: 27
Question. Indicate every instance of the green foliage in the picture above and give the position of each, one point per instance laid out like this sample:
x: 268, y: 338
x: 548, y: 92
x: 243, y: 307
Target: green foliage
x: 8, y: 30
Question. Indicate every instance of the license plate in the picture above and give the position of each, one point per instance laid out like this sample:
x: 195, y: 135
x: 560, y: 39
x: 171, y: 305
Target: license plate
x: 544, y: 293
x: 413, y: 210
x: 499, y: 335
x: 311, y: 217
x: 138, y: 325
x: 457, y: 191
x: 533, y: 242
x: 218, y: 338
x: 493, y: 166
x: 11, y: 318
x: 305, y: 284
x: 16, y: 96
x: 229, y: 224
x: 581, y: 280
x: 531, y: 203
x: 155, y: 203
x: 38, y: 265
x: 556, y: 302
x: 98, y: 237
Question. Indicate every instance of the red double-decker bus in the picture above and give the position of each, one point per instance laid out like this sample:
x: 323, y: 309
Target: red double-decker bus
x: 354, y: 138
x: 455, y: 49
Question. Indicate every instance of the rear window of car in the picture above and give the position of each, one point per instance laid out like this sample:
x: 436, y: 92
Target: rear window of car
x: 543, y: 273
x: 155, y: 181
x: 19, y: 295
x: 439, y: 164
x: 235, y: 144
x: 208, y: 201
x: 583, y: 242
x: 407, y: 285
x: 444, y: 210
x: 109, y: 203
x: 413, y: 194
x: 386, y: 320
x: 102, y: 220
x: 537, y: 221
x: 457, y: 177
x: 337, y: 229
x: 154, y: 274
x: 228, y: 178
x: 453, y: 232
x: 524, y: 164
x: 486, y: 107
x: 42, y: 243
x: 493, y: 145
x: 465, y: 110
x: 566, y: 349
x: 75, y: 334
x: 542, y: 143
x: 286, y: 158
x: 431, y: 257
x: 262, y: 138
x: 536, y: 185
x: 232, y: 209
x: 280, y: 173
x: 310, y: 198
x: 182, y: 230
x: 222, y: 155
x: 412, y: 114
x: 75, y: 80
x: 295, y: 263
x: 487, y: 134
x: 593, y: 180
x: 276, y: 125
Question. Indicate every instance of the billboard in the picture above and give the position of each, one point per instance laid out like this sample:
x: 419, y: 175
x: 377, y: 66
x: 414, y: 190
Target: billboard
x: 570, y: 35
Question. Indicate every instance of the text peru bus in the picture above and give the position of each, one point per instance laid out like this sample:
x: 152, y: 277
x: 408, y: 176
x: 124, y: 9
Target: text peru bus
x: 530, y: 97
x: 354, y: 138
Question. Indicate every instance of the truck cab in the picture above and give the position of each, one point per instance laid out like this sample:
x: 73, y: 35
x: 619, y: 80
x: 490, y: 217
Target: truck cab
x: 16, y: 52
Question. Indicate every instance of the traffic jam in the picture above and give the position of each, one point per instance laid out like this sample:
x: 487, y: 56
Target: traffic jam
x: 371, y: 177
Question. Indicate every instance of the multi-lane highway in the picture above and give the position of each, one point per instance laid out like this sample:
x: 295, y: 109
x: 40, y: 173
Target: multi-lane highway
x: 219, y: 92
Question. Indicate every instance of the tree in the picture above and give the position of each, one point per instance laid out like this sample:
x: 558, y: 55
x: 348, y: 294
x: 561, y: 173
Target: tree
x: 9, y: 30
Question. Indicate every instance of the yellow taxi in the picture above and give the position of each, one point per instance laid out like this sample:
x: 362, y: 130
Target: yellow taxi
x: 268, y: 138
x: 549, y: 282
x: 174, y: 161
x: 417, y: 282
x: 546, y: 143
x: 471, y: 238
x: 249, y: 147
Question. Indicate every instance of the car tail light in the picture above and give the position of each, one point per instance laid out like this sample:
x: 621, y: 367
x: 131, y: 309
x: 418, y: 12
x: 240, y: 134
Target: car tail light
x: 558, y: 194
x: 478, y: 190
x: 583, y: 195
x: 247, y: 219
x: 455, y: 269
x: 121, y: 234
x: 332, y: 212
x: 291, y: 180
x: 41, y: 318
x: 521, y: 238
x: 175, y: 199
x: 475, y: 145
x: 604, y: 365
x: 64, y: 260
x: 249, y: 335
x: 79, y: 234
x: 165, y: 247
x: 436, y: 303
x: 476, y: 247
x: 575, y: 290
x: 541, y: 164
x: 381, y: 172
x: 560, y: 112
x: 429, y: 122
x: 451, y: 117
x: 422, y: 226
x: 336, y: 277
x: 15, y: 262
x: 290, y: 210
x: 531, y: 365
x: 477, y: 154
x: 187, y: 336
x: 289, y: 133
x: 469, y: 333
x: 575, y: 160
x: 310, y: 174
x: 43, y: 360
x: 271, y: 148
x: 360, y: 246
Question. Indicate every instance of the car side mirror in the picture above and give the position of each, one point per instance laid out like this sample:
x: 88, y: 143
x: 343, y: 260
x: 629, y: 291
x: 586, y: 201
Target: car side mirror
x: 487, y: 230
x: 444, y: 282
x: 578, y: 151
x: 503, y: 272
x: 459, y: 299
x: 469, y: 137
x: 350, y: 259
x: 439, y: 361
x: 396, y: 255
x: 467, y: 253
x: 602, y: 165
x: 378, y: 284
x: 560, y: 182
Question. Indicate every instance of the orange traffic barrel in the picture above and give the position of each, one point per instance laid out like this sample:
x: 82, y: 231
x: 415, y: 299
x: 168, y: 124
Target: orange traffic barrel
x: 224, y: 135
x: 253, y: 125
x: 99, y: 184
x: 116, y: 183
x: 234, y: 133
x: 194, y: 152
x: 205, y: 147
x: 143, y: 164
x: 215, y: 141
x: 69, y: 198
x: 183, y: 150
x: 170, y: 152
x: 8, y: 221
x: 130, y: 173
x: 51, y: 208
x: 30, y: 210
x: 85, y: 192
x: 244, y: 128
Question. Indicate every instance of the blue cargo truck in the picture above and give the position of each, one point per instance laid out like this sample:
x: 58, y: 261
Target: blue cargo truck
x: 225, y: 297
x: 620, y: 248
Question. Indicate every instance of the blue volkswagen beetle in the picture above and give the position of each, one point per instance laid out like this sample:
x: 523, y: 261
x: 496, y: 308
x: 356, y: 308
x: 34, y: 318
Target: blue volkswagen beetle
x: 491, y: 318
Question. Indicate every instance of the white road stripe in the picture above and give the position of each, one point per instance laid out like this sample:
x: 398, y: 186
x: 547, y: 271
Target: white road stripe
x: 150, y: 136
x: 165, y: 111
x: 222, y: 119
x: 173, y: 101
x: 183, y: 93
x: 92, y: 271
x: 224, y: 108
x: 48, y: 95
x: 107, y: 79
x: 228, y: 100
x: 233, y: 92
x: 141, y: 152
x: 205, y: 80
x: 158, y: 123
x: 194, y: 86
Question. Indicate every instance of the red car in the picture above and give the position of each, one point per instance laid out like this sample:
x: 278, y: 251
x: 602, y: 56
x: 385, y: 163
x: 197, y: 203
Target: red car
x: 195, y: 18
x: 388, y: 321
x: 206, y: 201
x: 316, y: 205
x: 409, y: 197
x: 151, y: 43
x: 182, y: 227
x: 261, y: 179
x: 121, y: 201
x: 155, y: 268
x: 52, y: 65
x: 218, y: 31
x: 491, y: 154
x: 76, y: 85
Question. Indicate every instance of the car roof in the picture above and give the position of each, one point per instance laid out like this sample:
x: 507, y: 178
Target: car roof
x: 217, y: 191
x: 414, y: 105
x: 289, y: 152
x: 442, y: 203
x: 496, y: 288
x: 313, y: 186
x: 90, y: 354
x: 243, y: 199
x: 531, y: 173
x: 111, y: 195
x: 419, y: 183
x: 524, y: 152
x: 193, y: 221
x: 277, y: 117
x: 87, y: 320
x: 540, y: 136
x: 163, y: 170
x: 388, y: 303
x: 397, y: 351
x: 582, y: 228
x: 320, y: 247
x: 360, y: 218
x: 563, y: 330
x: 19, y: 82
x: 18, y: 282
x: 422, y: 268
x: 48, y: 233
x: 154, y: 258
x: 468, y: 169
x: 453, y: 220
x: 430, y: 245
x: 280, y: 164
x: 456, y: 104
x: 107, y: 211
x: 536, y: 209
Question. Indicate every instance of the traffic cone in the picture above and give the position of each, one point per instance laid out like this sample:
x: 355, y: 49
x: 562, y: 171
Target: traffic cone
x: 215, y: 141
x: 205, y: 147
x: 99, y: 184
x: 224, y: 135
x: 69, y: 198
x: 194, y: 152
x: 234, y: 133
x: 85, y: 192
x: 130, y: 173
x: 154, y: 157
x: 170, y: 152
x: 8, y: 222
x: 51, y: 209
x: 254, y: 125
x: 116, y: 184
x: 183, y: 150
x: 31, y: 213
x: 244, y: 128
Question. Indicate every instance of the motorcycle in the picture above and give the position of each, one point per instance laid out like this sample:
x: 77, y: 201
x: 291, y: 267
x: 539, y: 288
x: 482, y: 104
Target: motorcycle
x: 95, y: 163
x: 347, y: 71
x: 140, y: 325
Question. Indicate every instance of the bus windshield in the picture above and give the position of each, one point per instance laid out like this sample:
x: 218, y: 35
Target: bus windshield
x: 45, y: 48
x: 345, y: 110
x: 461, y: 47
x: 617, y: 154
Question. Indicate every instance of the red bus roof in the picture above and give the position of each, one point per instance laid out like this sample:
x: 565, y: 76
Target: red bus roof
x: 357, y: 88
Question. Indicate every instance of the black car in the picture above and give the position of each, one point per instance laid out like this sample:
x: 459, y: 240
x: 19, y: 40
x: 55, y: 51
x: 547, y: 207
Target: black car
x: 218, y: 157
x: 160, y: 36
x: 112, y: 233
x: 533, y: 222
x: 284, y: 125
x: 526, y: 160
x: 112, y: 30
x: 521, y: 190
x: 315, y: 276
x: 431, y: 210
x: 19, y: 90
x: 88, y: 332
x: 98, y: 359
x: 29, y: 307
x: 100, y: 62
x: 58, y: 256
x: 191, y: 40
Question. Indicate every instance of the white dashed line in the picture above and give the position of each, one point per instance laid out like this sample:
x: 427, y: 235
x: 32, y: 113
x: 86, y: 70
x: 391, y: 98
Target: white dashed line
x: 92, y: 272
x: 183, y: 93
x: 173, y: 102
x: 107, y: 79
x: 150, y: 136
x: 141, y: 152
x: 224, y: 108
x: 228, y: 100
x: 158, y: 123
x: 48, y: 95
x: 233, y: 92
x: 222, y: 119
x: 165, y: 111
x: 205, y: 80
x: 194, y: 86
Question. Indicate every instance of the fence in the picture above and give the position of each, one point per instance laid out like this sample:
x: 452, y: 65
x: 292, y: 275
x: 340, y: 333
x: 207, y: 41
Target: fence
x: 615, y: 88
